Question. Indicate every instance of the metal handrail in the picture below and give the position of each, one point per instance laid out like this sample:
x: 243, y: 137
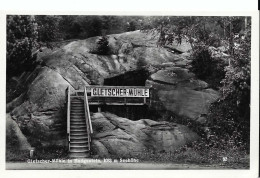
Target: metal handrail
x: 87, y: 117
x: 88, y: 112
x: 68, y: 113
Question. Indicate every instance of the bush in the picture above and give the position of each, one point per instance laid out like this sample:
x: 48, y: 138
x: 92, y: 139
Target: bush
x: 206, y: 67
x: 102, y: 46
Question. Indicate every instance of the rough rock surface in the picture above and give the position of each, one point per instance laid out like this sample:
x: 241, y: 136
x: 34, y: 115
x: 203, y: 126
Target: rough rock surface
x: 178, y: 90
x: 40, y: 109
x: 119, y: 136
x: 13, y: 132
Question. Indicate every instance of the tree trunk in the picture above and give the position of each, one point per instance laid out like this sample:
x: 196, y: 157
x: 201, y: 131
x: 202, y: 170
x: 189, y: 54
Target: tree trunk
x: 231, y: 38
x: 245, y: 22
x: 224, y: 28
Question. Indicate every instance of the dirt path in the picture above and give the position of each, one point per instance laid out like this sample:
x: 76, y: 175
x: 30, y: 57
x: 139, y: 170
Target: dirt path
x: 107, y: 166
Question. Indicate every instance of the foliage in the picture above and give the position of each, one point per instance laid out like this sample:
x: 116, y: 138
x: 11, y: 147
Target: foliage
x: 207, y: 67
x: 229, y: 119
x: 226, y: 122
x: 102, y: 46
x: 131, y: 26
x: 89, y: 26
x: 48, y: 29
x: 236, y: 84
x: 69, y: 27
x: 21, y: 39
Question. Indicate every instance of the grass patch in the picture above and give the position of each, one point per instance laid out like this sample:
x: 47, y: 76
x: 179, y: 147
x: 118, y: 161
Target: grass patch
x: 200, y: 153
x: 51, y: 152
x: 16, y: 155
x: 12, y: 149
x: 46, y: 153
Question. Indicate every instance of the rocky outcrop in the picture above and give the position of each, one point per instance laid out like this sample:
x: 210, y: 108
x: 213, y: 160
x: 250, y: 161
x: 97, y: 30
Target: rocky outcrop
x: 122, y: 137
x: 40, y: 109
x: 40, y: 112
x: 14, y: 133
x: 178, y: 90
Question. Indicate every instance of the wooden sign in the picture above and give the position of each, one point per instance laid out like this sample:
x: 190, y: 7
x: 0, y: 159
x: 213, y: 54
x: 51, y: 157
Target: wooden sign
x: 116, y: 91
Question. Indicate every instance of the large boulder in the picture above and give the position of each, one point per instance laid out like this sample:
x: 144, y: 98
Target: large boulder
x: 41, y: 115
x: 122, y: 137
x: 183, y: 47
x: 187, y: 102
x: 178, y: 90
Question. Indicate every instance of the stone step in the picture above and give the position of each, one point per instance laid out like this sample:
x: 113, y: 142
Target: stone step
x: 74, y: 113
x: 79, y: 143
x: 77, y: 115
x: 77, y: 104
x: 79, y: 155
x: 77, y: 112
x: 75, y: 119
x: 76, y: 96
x: 79, y: 150
x: 83, y: 140
x: 77, y: 122
x: 78, y: 137
x: 78, y: 129
x: 76, y: 108
x: 79, y: 147
x: 78, y: 133
x: 78, y: 126
x: 77, y: 101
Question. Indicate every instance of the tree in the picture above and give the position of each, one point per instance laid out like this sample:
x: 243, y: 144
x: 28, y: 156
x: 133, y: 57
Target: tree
x: 236, y: 85
x: 21, y: 39
x: 102, y: 46
x: 48, y: 27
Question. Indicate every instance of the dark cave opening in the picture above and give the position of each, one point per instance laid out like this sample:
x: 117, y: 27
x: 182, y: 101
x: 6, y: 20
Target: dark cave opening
x: 130, y: 78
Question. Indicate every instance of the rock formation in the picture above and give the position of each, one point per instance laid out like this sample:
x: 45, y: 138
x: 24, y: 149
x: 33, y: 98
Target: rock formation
x: 122, y: 137
x: 40, y: 110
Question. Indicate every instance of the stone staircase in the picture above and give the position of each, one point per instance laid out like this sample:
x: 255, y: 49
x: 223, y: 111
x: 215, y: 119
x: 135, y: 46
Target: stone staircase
x: 79, y: 134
